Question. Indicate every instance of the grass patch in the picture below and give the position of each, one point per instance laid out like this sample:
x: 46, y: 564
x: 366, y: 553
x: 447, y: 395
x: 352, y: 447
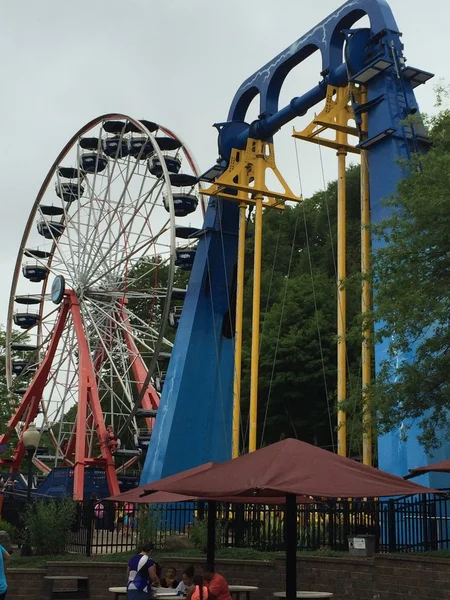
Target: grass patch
x: 325, y: 553
x: 36, y: 562
x: 430, y: 553
x: 246, y: 554
x: 231, y: 553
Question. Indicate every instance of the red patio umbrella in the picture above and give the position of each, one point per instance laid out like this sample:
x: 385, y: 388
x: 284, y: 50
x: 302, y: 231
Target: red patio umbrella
x: 138, y: 497
x: 135, y: 494
x: 144, y: 494
x: 289, y: 467
x: 440, y: 467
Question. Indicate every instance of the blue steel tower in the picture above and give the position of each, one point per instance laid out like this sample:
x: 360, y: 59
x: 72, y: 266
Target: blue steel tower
x: 194, y: 420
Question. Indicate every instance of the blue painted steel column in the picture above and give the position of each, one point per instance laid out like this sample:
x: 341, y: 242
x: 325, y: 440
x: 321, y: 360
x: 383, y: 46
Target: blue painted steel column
x: 394, y: 454
x: 195, y: 413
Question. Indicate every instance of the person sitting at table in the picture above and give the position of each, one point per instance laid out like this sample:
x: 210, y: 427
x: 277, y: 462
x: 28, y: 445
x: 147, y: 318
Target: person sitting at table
x: 216, y: 584
x: 142, y: 575
x: 187, y: 580
x: 169, y: 581
x: 198, y: 590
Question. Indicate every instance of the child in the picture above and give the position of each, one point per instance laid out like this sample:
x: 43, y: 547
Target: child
x: 187, y: 580
x: 198, y: 591
x: 170, y: 580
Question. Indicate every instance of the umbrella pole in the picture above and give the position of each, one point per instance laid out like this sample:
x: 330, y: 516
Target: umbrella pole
x: 290, y: 537
x: 211, y: 533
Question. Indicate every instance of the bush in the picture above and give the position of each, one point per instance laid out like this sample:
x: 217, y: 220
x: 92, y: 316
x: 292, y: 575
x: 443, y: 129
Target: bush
x: 10, y: 530
x: 147, y: 525
x: 174, y: 542
x: 48, y: 524
x: 198, y: 534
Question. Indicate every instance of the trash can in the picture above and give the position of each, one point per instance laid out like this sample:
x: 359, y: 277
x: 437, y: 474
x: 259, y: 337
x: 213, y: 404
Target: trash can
x: 361, y: 545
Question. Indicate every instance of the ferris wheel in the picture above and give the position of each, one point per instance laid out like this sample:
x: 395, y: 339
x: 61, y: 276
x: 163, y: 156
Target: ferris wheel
x: 93, y: 294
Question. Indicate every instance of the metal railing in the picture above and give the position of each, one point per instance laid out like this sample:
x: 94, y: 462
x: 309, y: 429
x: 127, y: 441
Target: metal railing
x: 413, y: 524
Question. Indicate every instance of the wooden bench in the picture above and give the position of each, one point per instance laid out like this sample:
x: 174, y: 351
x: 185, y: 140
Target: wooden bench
x: 80, y: 591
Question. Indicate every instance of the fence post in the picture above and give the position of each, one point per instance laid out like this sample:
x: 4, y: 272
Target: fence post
x: 435, y: 524
x: 430, y: 522
x: 310, y: 531
x: 89, y: 526
x: 239, y: 521
x: 424, y: 511
x: 392, y: 527
x: 330, y: 542
x: 375, y: 510
x: 211, y: 532
x: 346, y: 524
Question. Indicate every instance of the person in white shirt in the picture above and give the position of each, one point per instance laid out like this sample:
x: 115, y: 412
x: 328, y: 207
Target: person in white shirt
x: 187, y: 580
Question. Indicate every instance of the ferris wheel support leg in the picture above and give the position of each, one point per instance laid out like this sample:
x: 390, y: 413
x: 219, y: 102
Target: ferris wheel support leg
x: 88, y: 394
x: 32, y: 398
x: 80, y: 443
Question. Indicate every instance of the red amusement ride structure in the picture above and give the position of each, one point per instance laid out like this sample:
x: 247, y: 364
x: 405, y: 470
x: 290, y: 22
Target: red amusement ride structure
x: 92, y: 293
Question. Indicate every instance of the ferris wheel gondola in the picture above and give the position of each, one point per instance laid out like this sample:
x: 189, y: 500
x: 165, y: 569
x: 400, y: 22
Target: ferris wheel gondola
x: 92, y: 292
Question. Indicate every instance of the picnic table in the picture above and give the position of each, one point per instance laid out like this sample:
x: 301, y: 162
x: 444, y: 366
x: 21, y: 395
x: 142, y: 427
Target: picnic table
x: 170, y: 594
x: 118, y: 591
x: 237, y: 590
x: 160, y: 593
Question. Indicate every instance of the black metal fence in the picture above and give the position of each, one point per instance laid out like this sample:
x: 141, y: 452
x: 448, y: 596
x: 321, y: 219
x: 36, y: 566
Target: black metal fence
x: 412, y: 524
x: 103, y: 527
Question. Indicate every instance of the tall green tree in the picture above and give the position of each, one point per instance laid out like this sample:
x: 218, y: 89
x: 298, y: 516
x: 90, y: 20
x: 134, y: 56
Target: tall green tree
x: 412, y: 285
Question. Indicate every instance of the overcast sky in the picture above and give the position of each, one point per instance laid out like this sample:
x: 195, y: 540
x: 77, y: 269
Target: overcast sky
x: 177, y: 62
